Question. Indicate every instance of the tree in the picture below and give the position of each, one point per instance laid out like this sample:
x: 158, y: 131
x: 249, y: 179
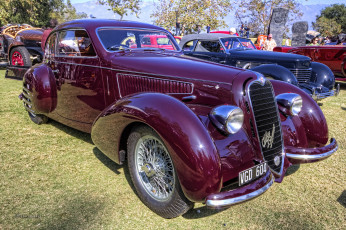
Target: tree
x: 327, y: 27
x: 191, y: 14
x: 121, y: 7
x: 257, y: 13
x: 37, y: 12
x: 330, y: 16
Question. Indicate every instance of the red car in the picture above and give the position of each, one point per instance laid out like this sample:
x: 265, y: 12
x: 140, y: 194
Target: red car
x: 332, y: 56
x: 189, y: 130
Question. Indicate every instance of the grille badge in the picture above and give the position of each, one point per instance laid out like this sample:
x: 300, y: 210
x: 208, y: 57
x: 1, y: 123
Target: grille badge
x: 268, y: 138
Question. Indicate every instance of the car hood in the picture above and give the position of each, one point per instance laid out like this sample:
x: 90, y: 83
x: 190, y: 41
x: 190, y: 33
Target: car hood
x: 173, y: 64
x: 267, y: 56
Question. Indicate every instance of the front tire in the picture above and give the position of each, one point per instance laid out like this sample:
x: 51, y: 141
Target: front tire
x: 153, y: 175
x: 20, y: 56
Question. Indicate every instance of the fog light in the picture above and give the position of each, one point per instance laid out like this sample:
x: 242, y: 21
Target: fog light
x: 292, y: 103
x: 227, y: 118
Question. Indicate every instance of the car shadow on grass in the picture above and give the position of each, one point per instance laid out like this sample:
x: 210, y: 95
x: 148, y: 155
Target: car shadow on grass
x: 342, y: 199
x: 72, y: 212
x: 292, y: 169
x: 72, y: 132
x: 107, y: 162
x: 202, y: 212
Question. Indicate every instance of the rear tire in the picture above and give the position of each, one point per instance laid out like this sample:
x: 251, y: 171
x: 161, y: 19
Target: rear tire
x: 20, y: 56
x: 38, y: 118
x: 153, y: 175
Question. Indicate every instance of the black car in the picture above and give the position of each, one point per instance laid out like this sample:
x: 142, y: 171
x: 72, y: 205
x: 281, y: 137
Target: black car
x: 314, y: 78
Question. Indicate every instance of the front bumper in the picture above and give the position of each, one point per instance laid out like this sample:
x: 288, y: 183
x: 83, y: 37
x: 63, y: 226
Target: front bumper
x: 228, y: 198
x: 309, y: 155
x: 320, y: 96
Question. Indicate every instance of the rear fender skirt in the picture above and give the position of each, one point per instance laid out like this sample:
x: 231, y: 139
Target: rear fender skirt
x: 311, y: 119
x: 322, y: 75
x: 42, y: 84
x: 193, y: 152
x: 276, y: 72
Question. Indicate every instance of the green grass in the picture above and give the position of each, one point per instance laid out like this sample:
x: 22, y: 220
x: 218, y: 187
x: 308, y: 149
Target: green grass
x: 53, y: 177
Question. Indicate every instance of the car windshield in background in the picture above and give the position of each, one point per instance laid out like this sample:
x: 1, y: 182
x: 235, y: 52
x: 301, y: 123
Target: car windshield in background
x: 236, y: 43
x: 115, y: 39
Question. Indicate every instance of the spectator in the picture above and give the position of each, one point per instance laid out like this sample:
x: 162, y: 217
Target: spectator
x: 247, y: 32
x: 241, y: 30
x: 208, y: 28
x: 233, y: 31
x: 269, y: 44
x: 198, y: 29
x: 314, y: 42
x: 177, y: 28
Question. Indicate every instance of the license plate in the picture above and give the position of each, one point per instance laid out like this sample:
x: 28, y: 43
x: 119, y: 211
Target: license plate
x: 251, y: 174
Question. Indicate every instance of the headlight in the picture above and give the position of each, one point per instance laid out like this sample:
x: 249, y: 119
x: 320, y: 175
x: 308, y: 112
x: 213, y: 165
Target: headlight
x: 227, y: 118
x: 292, y: 103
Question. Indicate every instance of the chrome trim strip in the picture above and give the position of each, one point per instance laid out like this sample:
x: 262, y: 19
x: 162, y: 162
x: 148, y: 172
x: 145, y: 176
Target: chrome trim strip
x: 239, y: 199
x: 312, y: 157
x: 135, y: 72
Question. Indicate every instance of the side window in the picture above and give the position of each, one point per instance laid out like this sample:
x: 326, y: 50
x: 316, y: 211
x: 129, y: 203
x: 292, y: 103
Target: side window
x: 208, y: 46
x: 189, y: 45
x: 49, y: 51
x: 75, y: 43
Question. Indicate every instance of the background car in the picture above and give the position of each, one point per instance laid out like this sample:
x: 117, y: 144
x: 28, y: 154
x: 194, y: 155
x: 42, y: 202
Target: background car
x: 21, y: 45
x: 189, y: 130
x: 314, y: 78
x: 332, y: 56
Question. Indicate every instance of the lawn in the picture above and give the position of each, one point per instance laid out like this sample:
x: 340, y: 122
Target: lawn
x: 53, y: 177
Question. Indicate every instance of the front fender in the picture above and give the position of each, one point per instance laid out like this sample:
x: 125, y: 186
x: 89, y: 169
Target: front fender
x: 276, y: 72
x: 322, y: 75
x: 309, y: 120
x: 193, y: 152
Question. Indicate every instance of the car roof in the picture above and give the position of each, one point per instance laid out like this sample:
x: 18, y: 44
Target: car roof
x: 92, y: 24
x: 204, y: 36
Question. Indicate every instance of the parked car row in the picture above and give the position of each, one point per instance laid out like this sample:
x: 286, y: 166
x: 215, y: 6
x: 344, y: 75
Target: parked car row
x: 190, y: 130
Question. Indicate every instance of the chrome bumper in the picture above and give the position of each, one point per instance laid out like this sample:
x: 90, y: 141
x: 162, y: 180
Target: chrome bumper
x: 220, y: 203
x: 299, y: 155
x: 320, y: 96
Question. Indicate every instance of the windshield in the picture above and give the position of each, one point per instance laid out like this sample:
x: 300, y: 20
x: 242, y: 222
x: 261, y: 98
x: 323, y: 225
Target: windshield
x: 237, y: 43
x: 115, y: 39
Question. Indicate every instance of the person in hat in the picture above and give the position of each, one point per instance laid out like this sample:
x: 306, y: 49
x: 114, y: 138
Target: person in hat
x: 233, y: 31
x: 269, y: 44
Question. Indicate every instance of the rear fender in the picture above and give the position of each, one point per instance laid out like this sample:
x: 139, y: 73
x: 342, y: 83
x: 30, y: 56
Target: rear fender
x: 41, y: 83
x: 309, y: 120
x: 276, y: 72
x: 192, y: 150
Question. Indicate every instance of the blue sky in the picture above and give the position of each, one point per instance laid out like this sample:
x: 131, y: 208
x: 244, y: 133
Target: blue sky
x: 302, y: 1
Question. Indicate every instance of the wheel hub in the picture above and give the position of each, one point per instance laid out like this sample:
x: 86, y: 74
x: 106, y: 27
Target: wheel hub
x: 148, y: 170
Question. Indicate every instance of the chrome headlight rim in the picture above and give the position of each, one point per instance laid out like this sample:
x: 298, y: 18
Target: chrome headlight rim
x: 227, y: 118
x: 292, y: 103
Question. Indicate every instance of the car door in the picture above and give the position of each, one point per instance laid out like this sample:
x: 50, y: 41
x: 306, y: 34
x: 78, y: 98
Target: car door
x: 80, y: 92
x: 209, y: 51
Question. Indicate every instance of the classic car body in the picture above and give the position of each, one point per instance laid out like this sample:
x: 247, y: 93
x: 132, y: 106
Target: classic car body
x: 189, y: 130
x: 21, y: 45
x: 314, y: 78
x: 332, y: 56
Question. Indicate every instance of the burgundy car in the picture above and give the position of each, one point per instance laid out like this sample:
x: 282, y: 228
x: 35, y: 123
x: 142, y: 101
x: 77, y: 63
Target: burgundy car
x: 332, y: 56
x: 189, y: 130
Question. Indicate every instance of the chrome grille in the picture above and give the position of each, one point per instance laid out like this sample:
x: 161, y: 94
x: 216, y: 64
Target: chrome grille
x: 27, y: 99
x: 267, y: 123
x: 302, y: 75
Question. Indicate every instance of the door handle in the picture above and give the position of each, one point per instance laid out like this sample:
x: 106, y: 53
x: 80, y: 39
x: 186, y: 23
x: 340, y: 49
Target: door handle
x: 55, y: 71
x: 222, y: 62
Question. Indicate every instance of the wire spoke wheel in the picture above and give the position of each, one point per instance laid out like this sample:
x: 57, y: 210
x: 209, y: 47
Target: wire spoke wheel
x: 154, y: 167
x: 17, y: 59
